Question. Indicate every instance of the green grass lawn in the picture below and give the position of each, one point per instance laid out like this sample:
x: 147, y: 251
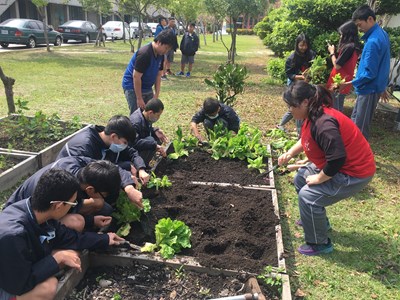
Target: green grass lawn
x: 86, y: 81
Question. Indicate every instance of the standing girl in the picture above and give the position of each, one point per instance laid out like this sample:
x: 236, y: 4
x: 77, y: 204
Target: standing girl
x: 344, y: 63
x: 296, y: 64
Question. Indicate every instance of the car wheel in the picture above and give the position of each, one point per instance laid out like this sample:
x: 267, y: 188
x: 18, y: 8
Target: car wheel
x: 65, y: 41
x: 58, y: 41
x: 87, y: 39
x: 4, y: 45
x: 31, y: 42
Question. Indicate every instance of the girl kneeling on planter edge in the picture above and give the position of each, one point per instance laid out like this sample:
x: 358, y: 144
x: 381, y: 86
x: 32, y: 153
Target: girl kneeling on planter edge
x: 341, y: 161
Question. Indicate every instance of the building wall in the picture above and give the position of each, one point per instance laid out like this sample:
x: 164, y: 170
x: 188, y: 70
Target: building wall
x: 394, y: 21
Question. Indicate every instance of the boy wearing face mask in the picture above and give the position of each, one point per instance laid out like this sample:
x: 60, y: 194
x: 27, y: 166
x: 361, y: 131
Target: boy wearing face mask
x: 148, y: 138
x: 214, y: 112
x: 110, y: 143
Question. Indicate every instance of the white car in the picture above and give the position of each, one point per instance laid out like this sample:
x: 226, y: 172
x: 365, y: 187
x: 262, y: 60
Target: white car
x: 115, y: 30
x: 153, y: 27
x: 134, y: 27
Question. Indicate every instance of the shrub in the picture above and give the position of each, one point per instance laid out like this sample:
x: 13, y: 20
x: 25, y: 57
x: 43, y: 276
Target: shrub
x: 394, y: 36
x: 276, y: 69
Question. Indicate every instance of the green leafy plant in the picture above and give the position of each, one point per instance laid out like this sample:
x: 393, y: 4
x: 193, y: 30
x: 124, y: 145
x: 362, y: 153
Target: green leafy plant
x: 317, y: 73
x: 171, y: 237
x: 270, y: 279
x: 180, y: 272
x: 146, y: 205
x: 116, y: 296
x: 257, y: 164
x: 126, y: 212
x: 179, y: 145
x: 158, y: 182
x: 228, y: 81
x: 280, y: 140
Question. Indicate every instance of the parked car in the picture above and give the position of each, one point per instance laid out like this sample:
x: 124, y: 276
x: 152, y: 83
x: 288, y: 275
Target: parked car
x: 153, y: 27
x: 84, y: 31
x: 115, y: 30
x: 134, y: 26
x: 27, y: 32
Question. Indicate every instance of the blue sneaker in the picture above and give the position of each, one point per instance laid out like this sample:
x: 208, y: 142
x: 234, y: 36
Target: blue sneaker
x: 312, y: 250
x: 299, y: 223
x: 180, y: 73
x: 187, y: 74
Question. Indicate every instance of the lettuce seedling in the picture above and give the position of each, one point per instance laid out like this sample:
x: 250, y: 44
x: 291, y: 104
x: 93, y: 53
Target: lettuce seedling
x: 171, y: 237
x: 257, y: 164
x: 146, y: 205
x: 158, y: 182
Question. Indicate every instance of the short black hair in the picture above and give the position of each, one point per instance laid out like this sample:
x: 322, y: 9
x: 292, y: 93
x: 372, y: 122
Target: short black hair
x: 103, y: 175
x: 210, y: 106
x: 121, y: 126
x: 363, y: 13
x: 155, y: 105
x: 166, y: 37
x: 171, y: 19
x: 160, y: 19
x: 192, y: 24
x: 54, y: 185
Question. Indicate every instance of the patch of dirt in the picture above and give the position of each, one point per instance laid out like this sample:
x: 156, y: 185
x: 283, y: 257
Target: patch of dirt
x: 232, y: 228
x: 200, y: 166
x: 156, y: 282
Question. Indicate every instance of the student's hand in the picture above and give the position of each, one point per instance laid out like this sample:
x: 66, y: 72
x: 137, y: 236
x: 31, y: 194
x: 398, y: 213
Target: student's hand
x: 161, y: 150
x: 160, y: 134
x: 114, y: 239
x: 284, y: 158
x: 134, y: 195
x: 140, y: 103
x: 144, y: 176
x: 101, y: 221
x: 344, y: 85
x: 331, y: 49
x: 317, y: 178
x: 68, y: 258
x: 384, y: 97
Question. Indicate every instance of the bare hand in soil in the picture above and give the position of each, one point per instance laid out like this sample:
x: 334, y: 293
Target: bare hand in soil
x: 101, y: 221
x: 115, y: 239
x: 68, y: 258
x: 144, y: 176
x: 134, y: 195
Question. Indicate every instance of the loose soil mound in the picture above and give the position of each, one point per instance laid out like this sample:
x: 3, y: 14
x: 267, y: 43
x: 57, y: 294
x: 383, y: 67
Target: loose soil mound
x: 200, y: 166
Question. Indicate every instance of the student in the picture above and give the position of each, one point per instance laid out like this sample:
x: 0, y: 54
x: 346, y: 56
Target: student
x: 189, y: 46
x: 145, y: 69
x: 109, y: 143
x: 161, y: 25
x: 34, y: 246
x: 298, y: 61
x: 148, y: 138
x: 342, y: 162
x: 169, y: 56
x: 214, y: 112
x: 372, y: 75
x: 345, y: 61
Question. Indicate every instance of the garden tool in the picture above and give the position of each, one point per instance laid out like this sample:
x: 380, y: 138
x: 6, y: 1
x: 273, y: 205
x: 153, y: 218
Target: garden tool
x: 130, y: 245
x: 247, y: 296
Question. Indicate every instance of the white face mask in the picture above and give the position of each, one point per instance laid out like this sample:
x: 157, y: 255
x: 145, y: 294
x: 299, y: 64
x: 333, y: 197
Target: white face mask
x: 213, y: 117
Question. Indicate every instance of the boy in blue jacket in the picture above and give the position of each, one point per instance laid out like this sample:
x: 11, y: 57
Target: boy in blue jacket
x: 189, y: 46
x: 34, y: 245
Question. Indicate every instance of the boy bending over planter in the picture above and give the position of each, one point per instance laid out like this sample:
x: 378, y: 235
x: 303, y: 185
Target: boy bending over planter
x: 34, y: 245
x: 148, y: 138
x: 214, y: 112
x: 110, y: 143
x: 100, y: 182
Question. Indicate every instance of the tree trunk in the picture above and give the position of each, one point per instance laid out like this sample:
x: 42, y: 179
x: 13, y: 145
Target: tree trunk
x: 100, y: 38
x: 204, y: 33
x: 42, y: 13
x: 8, y: 86
x: 232, y: 50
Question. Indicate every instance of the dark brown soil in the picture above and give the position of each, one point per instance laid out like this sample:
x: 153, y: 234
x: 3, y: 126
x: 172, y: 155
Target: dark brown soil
x: 6, y: 162
x: 232, y: 228
x: 156, y: 282
x: 200, y: 166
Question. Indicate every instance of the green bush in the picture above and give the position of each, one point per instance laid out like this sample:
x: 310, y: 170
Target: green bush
x: 319, y: 44
x: 241, y: 31
x: 276, y: 69
x: 394, y: 36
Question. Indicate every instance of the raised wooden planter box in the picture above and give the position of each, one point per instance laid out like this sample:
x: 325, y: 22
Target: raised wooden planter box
x: 13, y: 175
x: 49, y: 154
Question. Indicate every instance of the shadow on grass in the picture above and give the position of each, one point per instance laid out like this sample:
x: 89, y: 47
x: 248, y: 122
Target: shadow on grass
x: 369, y: 253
